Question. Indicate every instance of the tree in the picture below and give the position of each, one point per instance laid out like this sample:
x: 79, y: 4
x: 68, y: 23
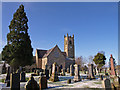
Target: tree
x: 99, y: 60
x: 18, y: 51
x: 80, y: 61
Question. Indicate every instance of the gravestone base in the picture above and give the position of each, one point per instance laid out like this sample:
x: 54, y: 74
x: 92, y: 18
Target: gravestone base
x: 54, y: 78
x: 77, y: 78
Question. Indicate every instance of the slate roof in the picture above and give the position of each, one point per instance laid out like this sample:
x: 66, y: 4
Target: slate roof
x: 45, y: 53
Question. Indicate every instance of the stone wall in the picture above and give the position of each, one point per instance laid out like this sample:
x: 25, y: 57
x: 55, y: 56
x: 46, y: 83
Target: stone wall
x: 56, y: 56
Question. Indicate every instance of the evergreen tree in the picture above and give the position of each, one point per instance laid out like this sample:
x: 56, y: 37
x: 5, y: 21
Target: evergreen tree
x: 18, y: 51
x: 99, y: 60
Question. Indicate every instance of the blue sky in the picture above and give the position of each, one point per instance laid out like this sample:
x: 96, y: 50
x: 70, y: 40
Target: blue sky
x: 94, y: 25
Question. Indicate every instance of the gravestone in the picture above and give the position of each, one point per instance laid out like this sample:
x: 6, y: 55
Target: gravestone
x: 68, y: 70
x: 113, y: 73
x: 31, y: 84
x: 71, y: 70
x: 4, y: 68
x: 54, y: 76
x: 116, y: 81
x: 118, y: 70
x: 43, y: 82
x: 15, y: 81
x: 106, y: 84
x: 77, y: 74
x: 22, y: 76
x: 7, y: 80
x: 63, y: 72
x: 101, y: 77
x: 47, y: 73
x: 94, y: 71
x: 91, y: 73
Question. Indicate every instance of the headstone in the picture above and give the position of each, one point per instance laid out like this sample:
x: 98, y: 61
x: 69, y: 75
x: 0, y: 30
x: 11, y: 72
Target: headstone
x: 4, y: 68
x: 101, y: 77
x: 116, y: 81
x: 54, y: 76
x: 22, y: 76
x: 71, y: 70
x: 15, y: 81
x: 47, y: 73
x: 31, y: 84
x: 118, y: 70
x: 69, y: 81
x: 94, y: 71
x: 68, y: 70
x: 77, y: 75
x: 43, y: 82
x: 91, y: 73
x: 50, y: 72
x: 113, y: 73
x: 7, y: 80
x: 106, y: 84
x: 63, y: 72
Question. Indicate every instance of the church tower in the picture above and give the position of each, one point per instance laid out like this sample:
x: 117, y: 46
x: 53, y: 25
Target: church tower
x: 69, y: 46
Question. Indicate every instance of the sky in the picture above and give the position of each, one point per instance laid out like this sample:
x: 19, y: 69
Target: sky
x: 94, y: 25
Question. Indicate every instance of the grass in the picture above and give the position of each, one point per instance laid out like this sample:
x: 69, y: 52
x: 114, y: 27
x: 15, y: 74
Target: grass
x: 2, y: 80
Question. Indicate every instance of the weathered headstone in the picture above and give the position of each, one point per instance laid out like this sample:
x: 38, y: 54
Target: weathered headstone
x: 15, y: 81
x: 116, y: 81
x: 43, y: 82
x: 106, y: 84
x: 54, y: 76
x: 22, y: 76
x: 63, y: 72
x: 94, y: 71
x: 71, y: 70
x: 101, y: 77
x: 68, y: 70
x: 91, y: 73
x: 31, y: 84
x: 4, y: 68
x: 77, y: 75
x: 113, y: 73
x: 69, y: 81
x: 7, y: 80
x: 118, y: 69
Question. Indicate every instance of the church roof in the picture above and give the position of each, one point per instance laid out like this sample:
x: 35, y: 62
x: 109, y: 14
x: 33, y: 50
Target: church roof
x: 45, y: 53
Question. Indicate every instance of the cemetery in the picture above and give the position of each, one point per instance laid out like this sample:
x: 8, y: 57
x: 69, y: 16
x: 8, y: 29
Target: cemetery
x: 60, y: 79
x: 52, y: 68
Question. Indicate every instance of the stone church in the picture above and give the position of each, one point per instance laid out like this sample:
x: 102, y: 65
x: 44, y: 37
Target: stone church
x: 63, y: 59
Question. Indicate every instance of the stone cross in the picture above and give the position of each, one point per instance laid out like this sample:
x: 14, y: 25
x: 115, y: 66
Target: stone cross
x: 77, y: 74
x: 15, y: 81
x: 54, y: 76
x: 91, y: 73
x: 71, y: 70
x: 112, y: 66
